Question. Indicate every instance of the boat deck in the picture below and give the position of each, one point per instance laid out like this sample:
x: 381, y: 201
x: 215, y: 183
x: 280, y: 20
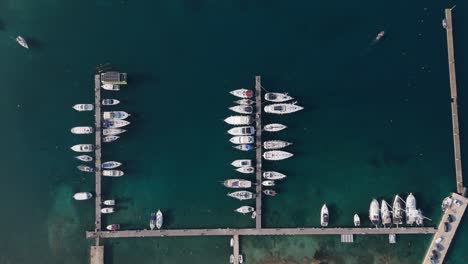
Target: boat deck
x: 258, y: 118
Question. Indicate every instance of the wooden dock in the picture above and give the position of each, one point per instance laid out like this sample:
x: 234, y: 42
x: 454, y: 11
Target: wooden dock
x: 258, y: 140
x: 454, y: 100
x: 96, y: 255
x: 97, y: 157
x: 235, y: 249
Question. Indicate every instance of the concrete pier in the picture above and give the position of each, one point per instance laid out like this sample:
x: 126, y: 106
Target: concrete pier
x: 96, y: 255
x: 235, y: 248
x: 97, y: 157
x: 258, y: 139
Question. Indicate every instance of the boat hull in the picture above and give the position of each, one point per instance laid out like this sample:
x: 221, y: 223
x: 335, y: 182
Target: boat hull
x: 276, y: 155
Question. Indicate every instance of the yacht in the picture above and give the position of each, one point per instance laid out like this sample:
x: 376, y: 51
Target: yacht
x: 245, y: 209
x: 324, y: 217
x: 242, y: 93
x: 413, y: 215
x: 243, y: 147
x: 153, y: 221
x: 277, y: 97
x: 81, y: 196
x: 274, y: 127
x: 242, y: 109
x: 242, y: 163
x: 237, y: 183
x: 82, y: 130
x: 242, y: 140
x: 113, y: 227
x: 276, y: 155
x: 111, y: 87
x: 85, y: 158
x: 109, y: 202
x: 112, y: 173
x: 115, y: 123
x: 111, y: 164
x: 268, y: 183
x: 385, y: 214
x: 357, y: 220
x: 273, y: 175
x: 374, y: 212
x: 115, y: 115
x: 20, y: 40
x: 242, y: 131
x: 83, y: 148
x: 108, y: 139
x: 159, y: 219
x: 276, y: 144
x: 281, y: 109
x: 107, y: 210
x: 110, y: 102
x: 246, y: 170
x: 83, y: 107
x: 85, y: 168
x: 113, y: 131
x: 269, y: 192
x: 244, y: 102
x: 398, y: 212
x: 242, y: 195
x: 239, y: 120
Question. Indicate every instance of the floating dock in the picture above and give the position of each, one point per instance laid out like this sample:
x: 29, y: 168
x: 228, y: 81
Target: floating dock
x: 258, y: 140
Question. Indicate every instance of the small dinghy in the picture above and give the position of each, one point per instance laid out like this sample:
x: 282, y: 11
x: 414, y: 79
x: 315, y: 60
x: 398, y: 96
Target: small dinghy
x: 110, y: 102
x: 242, y: 195
x: 273, y: 175
x: 274, y: 127
x: 22, y: 42
x: 107, y: 210
x: 115, y: 123
x: 242, y: 163
x: 85, y: 158
x: 81, y: 196
x: 109, y: 202
x: 246, y: 170
x: 237, y: 183
x: 108, y: 139
x: 269, y: 192
x: 152, y: 221
x: 239, y: 120
x: 242, y: 131
x: 83, y: 107
x: 268, y: 183
x: 242, y: 109
x: 113, y: 131
x: 277, y: 97
x: 242, y: 140
x: 357, y: 220
x: 245, y: 209
x: 276, y: 144
x: 112, y: 173
x: 159, y: 219
x: 111, y: 87
x: 244, y: 102
x: 242, y: 93
x: 82, y: 130
x: 281, y: 109
x: 113, y: 227
x: 111, y: 164
x: 115, y: 115
x: 276, y: 155
x: 243, y: 147
x: 83, y: 148
x: 85, y: 168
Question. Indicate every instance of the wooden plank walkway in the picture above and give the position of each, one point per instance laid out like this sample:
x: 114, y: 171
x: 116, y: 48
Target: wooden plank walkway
x: 236, y: 249
x: 96, y: 255
x: 454, y: 100
x: 258, y: 117
x: 97, y: 156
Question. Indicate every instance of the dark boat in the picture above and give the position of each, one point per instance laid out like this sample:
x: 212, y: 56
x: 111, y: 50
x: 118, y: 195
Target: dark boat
x: 269, y: 192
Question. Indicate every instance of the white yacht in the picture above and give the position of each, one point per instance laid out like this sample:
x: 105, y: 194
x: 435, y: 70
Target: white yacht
x: 242, y: 131
x: 159, y: 219
x: 115, y: 123
x: 85, y: 158
x: 112, y: 131
x: 242, y: 140
x: 81, y: 196
x: 111, y: 87
x: 83, y: 148
x: 276, y: 155
x: 242, y: 93
x: 20, y: 40
x: 85, y: 168
x: 113, y: 227
x: 244, y: 102
x: 281, y: 109
x: 385, y: 214
x: 82, y: 130
x: 324, y: 216
x: 357, y: 220
x: 276, y: 144
x: 245, y: 209
x: 111, y: 164
x: 243, y: 147
x: 83, y: 107
x: 273, y: 175
x: 274, y: 127
x: 109, y: 202
x: 268, y: 183
x: 107, y: 210
x: 242, y: 109
x: 237, y: 183
x: 374, y: 212
x: 112, y: 173
x: 398, y: 212
x: 242, y: 195
x: 239, y: 120
x: 110, y: 102
x: 246, y: 170
x: 115, y: 115
x: 277, y: 97
x: 242, y: 163
x: 413, y: 215
x: 108, y: 139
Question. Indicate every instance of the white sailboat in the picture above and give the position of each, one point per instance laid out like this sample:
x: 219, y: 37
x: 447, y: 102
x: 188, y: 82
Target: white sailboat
x: 268, y: 183
x: 276, y: 144
x: 242, y: 195
x: 324, y: 216
x: 110, y: 102
x: 281, y: 109
x: 276, y: 155
x: 83, y: 148
x: 115, y: 123
x: 113, y: 131
x: 83, y: 107
x: 111, y: 164
x: 242, y: 93
x: 242, y: 109
x: 20, y: 40
x: 274, y: 127
x: 111, y: 87
x: 85, y: 158
x: 374, y: 212
x: 242, y: 163
x: 246, y: 170
x: 159, y: 219
x: 398, y: 212
x: 277, y: 97
x: 244, y: 102
x: 385, y: 214
x: 115, y: 115
x: 107, y: 210
x: 245, y: 209
x: 242, y: 131
x: 242, y: 140
x: 81, y: 196
x: 108, y: 139
x: 112, y: 173
x: 109, y: 202
x: 357, y: 220
x: 243, y: 147
x: 237, y: 183
x: 82, y: 130
x: 239, y: 120
x: 273, y: 175
x: 85, y: 168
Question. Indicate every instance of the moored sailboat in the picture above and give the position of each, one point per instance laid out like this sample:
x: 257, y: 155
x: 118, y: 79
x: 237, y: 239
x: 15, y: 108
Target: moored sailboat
x: 242, y: 163
x: 111, y: 164
x: 273, y: 175
x: 281, y: 109
x: 239, y: 120
x: 85, y: 168
x: 245, y: 209
x: 115, y: 115
x: 244, y: 102
x: 113, y: 131
x: 276, y: 155
x: 385, y: 214
x: 108, y: 139
x: 85, y: 158
x: 110, y: 102
x: 398, y: 212
x: 237, y: 183
x: 82, y: 130
x: 268, y: 183
x: 242, y: 109
x: 246, y: 169
x: 112, y: 173
x: 111, y: 87
x: 277, y: 97
x: 274, y: 127
x: 83, y: 107
x: 242, y: 140
x: 269, y: 192
x: 22, y: 42
x: 83, y: 148
x: 276, y: 144
x: 242, y: 195
x: 242, y: 131
x: 243, y: 147
x: 242, y: 93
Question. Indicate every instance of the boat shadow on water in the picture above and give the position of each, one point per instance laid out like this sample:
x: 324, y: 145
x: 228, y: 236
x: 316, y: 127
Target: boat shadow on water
x: 34, y: 43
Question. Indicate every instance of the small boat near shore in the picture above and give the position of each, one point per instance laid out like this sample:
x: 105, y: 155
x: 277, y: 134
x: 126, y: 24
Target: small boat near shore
x: 111, y: 164
x: 276, y: 155
x: 324, y: 216
x: 81, y: 196
x: 243, y: 147
x: 242, y: 163
x: 281, y: 109
x: 113, y: 131
x: 269, y: 192
x: 112, y: 173
x: 83, y: 148
x: 85, y: 168
x: 277, y: 97
x: 239, y: 120
x: 242, y: 140
x: 82, y: 130
x: 108, y: 139
x: 85, y: 158
x: 237, y: 183
x: 115, y: 115
x: 242, y: 131
x: 83, y: 107
x: 159, y: 219
x: 268, y: 183
x: 246, y: 169
x: 273, y: 175
x: 22, y: 42
x: 111, y: 87
x: 242, y: 93
x: 110, y: 102
x: 109, y: 202
x: 152, y: 223
x: 242, y: 109
x: 242, y: 195
x: 274, y: 127
x: 113, y: 227
x: 357, y: 220
x: 275, y: 144
x: 115, y: 123
x: 244, y: 102
x: 245, y: 209
x: 107, y: 210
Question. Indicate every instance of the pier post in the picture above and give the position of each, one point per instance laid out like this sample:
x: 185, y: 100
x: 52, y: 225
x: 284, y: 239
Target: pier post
x: 258, y: 118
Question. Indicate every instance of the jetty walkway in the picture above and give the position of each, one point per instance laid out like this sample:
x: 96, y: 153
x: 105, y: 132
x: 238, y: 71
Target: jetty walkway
x: 97, y: 149
x: 258, y: 118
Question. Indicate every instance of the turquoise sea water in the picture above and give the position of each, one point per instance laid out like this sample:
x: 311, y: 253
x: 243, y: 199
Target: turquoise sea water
x: 376, y: 122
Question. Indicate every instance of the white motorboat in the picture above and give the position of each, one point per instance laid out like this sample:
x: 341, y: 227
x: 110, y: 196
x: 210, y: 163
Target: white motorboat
x: 115, y: 123
x: 398, y: 212
x: 281, y: 109
x: 242, y: 195
x: 268, y: 183
x: 85, y: 158
x: 85, y: 168
x: 241, y: 259
x: 273, y: 175
x: 242, y: 163
x: 242, y: 109
x: 242, y: 131
x: 153, y: 221
x: 108, y: 139
x: 276, y: 144
x: 231, y: 242
x: 159, y: 219
x: 113, y: 227
x: 231, y: 259
x: 107, y: 210
x: 110, y: 102
x: 242, y: 93
x: 357, y: 220
x: 413, y: 215
x: 239, y: 120
x: 244, y: 102
x: 374, y: 212
x: 245, y: 209
x: 82, y: 130
x: 111, y: 164
x: 269, y: 192
x: 109, y: 202
x: 242, y: 140
x: 112, y: 173
x: 20, y: 40
x: 115, y: 115
x: 237, y: 183
x: 243, y: 147
x: 111, y: 87
x: 81, y: 196
x: 83, y: 148
x: 113, y: 131
x: 274, y: 127
x: 385, y: 214
x: 276, y: 155
x: 324, y: 216
x: 246, y: 170
x: 277, y: 97
x: 83, y: 107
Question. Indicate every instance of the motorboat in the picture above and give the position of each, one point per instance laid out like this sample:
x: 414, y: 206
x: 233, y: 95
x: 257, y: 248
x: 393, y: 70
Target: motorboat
x: 242, y: 195
x: 242, y: 140
x: 85, y: 168
x: 115, y: 115
x: 276, y: 144
x: 83, y: 107
x: 231, y: 242
x: 276, y: 155
x: 277, y: 97
x: 83, y: 148
x: 111, y: 87
x: 153, y: 221
x: 82, y: 130
x: 108, y: 139
x: 242, y: 131
x: 274, y: 127
x: 107, y: 210
x: 81, y: 196
x: 245, y: 209
x: 110, y: 102
x: 374, y: 212
x: 109, y: 202
x: 268, y: 183
x: 273, y: 175
x: 385, y: 214
x: 246, y: 170
x: 242, y: 93
x: 85, y: 158
x: 159, y: 219
x: 239, y: 120
x: 357, y: 220
x: 112, y: 173
x: 269, y: 192
x: 231, y: 259
x: 398, y: 212
x: 244, y: 102
x: 115, y: 123
x: 113, y: 131
x: 413, y: 215
x: 113, y: 227
x: 243, y: 147
x: 111, y: 164
x: 237, y: 183
x: 281, y: 109
x: 324, y: 216
x: 242, y: 163
x: 242, y: 109
x: 20, y: 40
x: 241, y: 259
x: 254, y: 215
x: 380, y: 35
